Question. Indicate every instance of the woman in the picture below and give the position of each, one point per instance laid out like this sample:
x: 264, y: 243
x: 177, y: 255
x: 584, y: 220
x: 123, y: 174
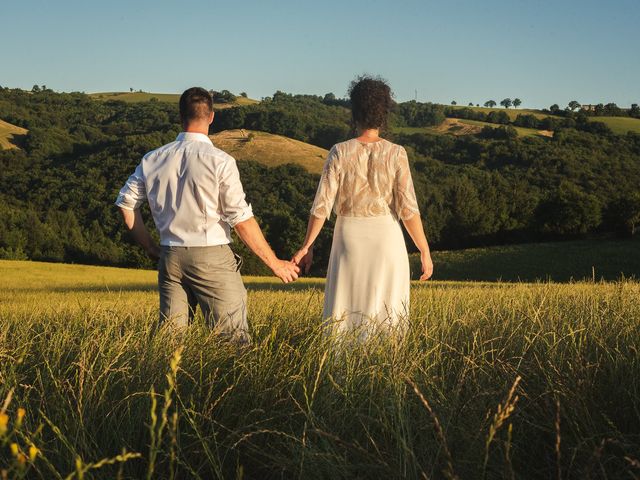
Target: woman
x: 368, y: 183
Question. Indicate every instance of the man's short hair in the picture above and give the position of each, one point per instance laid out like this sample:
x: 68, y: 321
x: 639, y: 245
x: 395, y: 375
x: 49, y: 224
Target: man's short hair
x: 195, y: 104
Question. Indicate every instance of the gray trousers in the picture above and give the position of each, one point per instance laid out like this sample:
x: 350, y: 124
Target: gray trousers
x: 205, y: 276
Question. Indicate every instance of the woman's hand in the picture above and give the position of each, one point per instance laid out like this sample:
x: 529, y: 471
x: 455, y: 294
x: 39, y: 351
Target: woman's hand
x: 427, y: 266
x: 303, y: 258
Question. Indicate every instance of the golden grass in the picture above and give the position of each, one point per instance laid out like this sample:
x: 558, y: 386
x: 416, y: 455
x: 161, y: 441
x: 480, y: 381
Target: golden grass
x: 492, y: 381
x: 10, y: 135
x: 135, y: 97
x: 269, y: 149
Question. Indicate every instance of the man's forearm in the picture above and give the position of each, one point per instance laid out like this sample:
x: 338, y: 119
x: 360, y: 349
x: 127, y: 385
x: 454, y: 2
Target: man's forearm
x: 250, y: 233
x: 139, y: 232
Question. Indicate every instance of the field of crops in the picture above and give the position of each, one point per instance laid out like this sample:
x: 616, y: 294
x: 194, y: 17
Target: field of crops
x: 494, y: 380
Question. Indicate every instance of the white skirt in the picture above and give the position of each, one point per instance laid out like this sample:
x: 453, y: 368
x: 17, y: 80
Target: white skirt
x: 367, y: 286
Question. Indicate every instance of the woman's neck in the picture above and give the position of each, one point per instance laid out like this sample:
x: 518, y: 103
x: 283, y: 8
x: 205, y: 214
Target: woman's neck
x: 368, y: 134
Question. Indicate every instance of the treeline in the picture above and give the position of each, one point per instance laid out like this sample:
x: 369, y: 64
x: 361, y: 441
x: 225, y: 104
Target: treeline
x: 477, y: 191
x: 57, y: 192
x: 597, y: 110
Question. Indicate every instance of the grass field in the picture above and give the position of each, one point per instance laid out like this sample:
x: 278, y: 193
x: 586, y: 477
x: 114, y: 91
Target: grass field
x: 458, y: 127
x: 270, y: 150
x: 619, y: 125
x: 135, y: 97
x: 493, y: 380
x: 10, y: 135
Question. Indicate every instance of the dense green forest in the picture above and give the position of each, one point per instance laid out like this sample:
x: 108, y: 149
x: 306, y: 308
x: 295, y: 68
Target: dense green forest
x: 57, y: 190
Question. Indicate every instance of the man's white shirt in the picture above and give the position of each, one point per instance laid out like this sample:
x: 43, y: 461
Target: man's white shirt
x: 193, y: 189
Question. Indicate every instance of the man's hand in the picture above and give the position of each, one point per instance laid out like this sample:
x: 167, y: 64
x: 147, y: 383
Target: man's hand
x: 250, y: 233
x: 154, y: 252
x: 285, y: 271
x: 303, y: 258
x: 427, y: 266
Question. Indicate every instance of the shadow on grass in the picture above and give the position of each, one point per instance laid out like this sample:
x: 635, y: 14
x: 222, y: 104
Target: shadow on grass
x: 306, y: 284
x: 251, y: 285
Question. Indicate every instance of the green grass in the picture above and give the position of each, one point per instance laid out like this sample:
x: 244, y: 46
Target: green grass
x: 559, y: 261
x: 619, y: 125
x: 493, y: 380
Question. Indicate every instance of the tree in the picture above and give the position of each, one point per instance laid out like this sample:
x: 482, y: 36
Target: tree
x: 453, y: 102
x: 574, y: 105
x: 35, y: 89
x: 624, y: 214
x: 131, y: 89
x: 490, y: 103
x: 471, y: 104
x: 568, y: 211
x: 506, y: 103
x: 634, y: 111
x: 555, y: 108
x: 243, y: 94
x: 517, y: 102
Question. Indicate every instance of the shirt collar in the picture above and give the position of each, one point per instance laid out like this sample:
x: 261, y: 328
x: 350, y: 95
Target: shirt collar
x: 193, y: 137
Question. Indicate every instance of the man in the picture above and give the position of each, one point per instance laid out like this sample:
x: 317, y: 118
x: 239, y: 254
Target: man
x: 195, y: 195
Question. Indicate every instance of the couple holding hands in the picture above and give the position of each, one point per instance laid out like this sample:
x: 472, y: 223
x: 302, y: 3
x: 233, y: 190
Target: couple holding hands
x: 196, y: 196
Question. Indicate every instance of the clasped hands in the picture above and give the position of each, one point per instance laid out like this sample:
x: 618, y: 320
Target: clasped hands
x: 288, y: 271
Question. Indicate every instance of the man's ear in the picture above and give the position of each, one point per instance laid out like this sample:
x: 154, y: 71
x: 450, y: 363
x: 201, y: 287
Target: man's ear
x: 213, y: 114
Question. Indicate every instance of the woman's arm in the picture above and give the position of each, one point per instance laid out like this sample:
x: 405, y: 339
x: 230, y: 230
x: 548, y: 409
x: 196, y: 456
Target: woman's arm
x: 414, y: 226
x: 304, y: 256
x: 320, y: 210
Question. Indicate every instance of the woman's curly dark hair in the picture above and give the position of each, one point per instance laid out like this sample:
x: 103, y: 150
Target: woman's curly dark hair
x: 370, y: 102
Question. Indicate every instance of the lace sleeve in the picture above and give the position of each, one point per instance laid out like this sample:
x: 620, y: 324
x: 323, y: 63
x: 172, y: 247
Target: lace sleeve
x: 327, y: 188
x: 405, y: 204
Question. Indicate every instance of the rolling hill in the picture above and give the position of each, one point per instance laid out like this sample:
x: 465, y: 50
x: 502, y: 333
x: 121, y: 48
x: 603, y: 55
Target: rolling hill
x: 10, y: 135
x: 135, y: 97
x: 619, y: 125
x: 459, y: 127
x: 512, y: 112
x: 595, y: 258
x: 270, y: 150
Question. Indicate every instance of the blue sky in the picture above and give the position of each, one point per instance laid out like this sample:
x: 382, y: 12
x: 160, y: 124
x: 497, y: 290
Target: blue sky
x: 540, y: 51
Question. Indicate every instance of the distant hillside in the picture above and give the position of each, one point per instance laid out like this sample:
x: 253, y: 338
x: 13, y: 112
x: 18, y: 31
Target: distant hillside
x: 10, y: 135
x: 619, y: 125
x: 559, y: 261
x: 512, y: 112
x: 460, y: 126
x: 136, y: 97
x: 270, y: 150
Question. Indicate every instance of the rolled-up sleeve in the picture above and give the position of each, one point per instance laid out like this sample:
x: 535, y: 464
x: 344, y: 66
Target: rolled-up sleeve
x: 233, y: 203
x: 327, y: 188
x: 134, y: 193
x: 404, y: 195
